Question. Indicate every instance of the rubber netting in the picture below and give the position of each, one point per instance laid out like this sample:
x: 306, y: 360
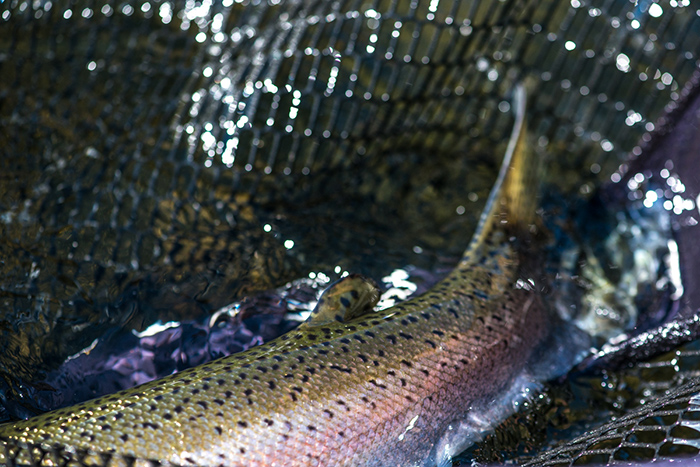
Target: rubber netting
x: 144, y: 145
x: 662, y: 419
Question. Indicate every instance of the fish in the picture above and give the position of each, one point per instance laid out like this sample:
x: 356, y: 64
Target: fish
x: 411, y: 385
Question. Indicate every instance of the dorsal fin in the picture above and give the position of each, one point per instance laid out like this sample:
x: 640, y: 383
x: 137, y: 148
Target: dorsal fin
x: 515, y: 190
x: 344, y: 300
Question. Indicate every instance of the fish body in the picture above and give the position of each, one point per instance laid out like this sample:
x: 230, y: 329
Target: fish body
x: 411, y: 385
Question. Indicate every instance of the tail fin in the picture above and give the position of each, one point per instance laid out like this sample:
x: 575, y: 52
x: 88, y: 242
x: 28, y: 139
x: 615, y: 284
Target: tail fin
x: 515, y: 189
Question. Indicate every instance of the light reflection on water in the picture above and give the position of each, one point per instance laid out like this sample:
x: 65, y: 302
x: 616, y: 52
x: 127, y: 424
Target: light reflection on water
x: 254, y: 92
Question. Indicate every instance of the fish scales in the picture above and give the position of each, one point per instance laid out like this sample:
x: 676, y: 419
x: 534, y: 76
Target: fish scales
x: 331, y: 403
x: 380, y: 389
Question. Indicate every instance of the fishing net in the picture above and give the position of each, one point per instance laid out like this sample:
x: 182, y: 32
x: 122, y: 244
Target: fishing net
x: 162, y: 159
x: 661, y: 399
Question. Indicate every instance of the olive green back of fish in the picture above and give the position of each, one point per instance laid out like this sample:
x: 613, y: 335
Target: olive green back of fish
x: 352, y: 386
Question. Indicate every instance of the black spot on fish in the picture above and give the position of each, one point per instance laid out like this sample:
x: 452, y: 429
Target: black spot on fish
x: 228, y: 394
x: 407, y: 363
x: 242, y: 424
x: 186, y: 400
x: 218, y: 429
x: 271, y: 385
x: 268, y: 422
x: 403, y: 382
x: 405, y: 336
x: 203, y: 404
x: 150, y: 425
x: 124, y: 437
x: 194, y: 393
x: 391, y: 338
x: 375, y: 383
x: 311, y: 428
x: 437, y: 332
x: 248, y: 392
x: 262, y: 369
x: 430, y: 343
x: 167, y: 416
x: 218, y: 402
x: 205, y: 387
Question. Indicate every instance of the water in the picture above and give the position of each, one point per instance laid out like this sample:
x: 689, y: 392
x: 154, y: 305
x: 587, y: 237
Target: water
x: 164, y: 160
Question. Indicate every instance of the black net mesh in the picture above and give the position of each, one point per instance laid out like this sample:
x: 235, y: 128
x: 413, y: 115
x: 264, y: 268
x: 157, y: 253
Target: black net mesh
x: 656, y: 415
x: 148, y: 146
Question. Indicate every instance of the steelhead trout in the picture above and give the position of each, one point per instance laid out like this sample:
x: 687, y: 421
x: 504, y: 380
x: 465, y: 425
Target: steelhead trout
x: 410, y: 385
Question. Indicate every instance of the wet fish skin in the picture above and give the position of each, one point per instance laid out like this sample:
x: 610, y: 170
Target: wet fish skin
x: 379, y: 389
x: 345, y: 401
